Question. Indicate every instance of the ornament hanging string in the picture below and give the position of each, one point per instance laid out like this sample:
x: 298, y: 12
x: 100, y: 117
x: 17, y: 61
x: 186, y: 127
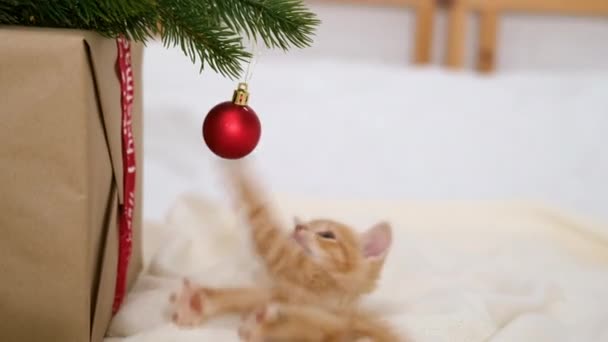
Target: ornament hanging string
x: 251, y: 64
x: 254, y: 56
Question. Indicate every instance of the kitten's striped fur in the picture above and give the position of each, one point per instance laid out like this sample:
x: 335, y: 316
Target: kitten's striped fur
x: 287, y: 322
x: 320, y: 270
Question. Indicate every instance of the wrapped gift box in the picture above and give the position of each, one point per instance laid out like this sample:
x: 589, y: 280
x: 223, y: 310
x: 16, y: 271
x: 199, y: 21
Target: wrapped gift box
x: 62, y: 183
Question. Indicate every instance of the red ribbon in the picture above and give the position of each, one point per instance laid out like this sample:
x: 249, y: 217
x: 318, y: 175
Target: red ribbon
x: 126, y: 211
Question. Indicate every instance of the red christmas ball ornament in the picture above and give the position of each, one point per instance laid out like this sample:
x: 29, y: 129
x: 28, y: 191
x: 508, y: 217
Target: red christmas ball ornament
x: 232, y: 129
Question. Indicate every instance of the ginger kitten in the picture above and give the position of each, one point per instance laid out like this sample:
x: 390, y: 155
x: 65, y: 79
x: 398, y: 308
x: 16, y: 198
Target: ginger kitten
x: 321, y: 268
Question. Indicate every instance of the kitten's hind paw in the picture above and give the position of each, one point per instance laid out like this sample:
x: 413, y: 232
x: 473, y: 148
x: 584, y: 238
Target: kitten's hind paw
x: 252, y: 327
x: 188, y: 305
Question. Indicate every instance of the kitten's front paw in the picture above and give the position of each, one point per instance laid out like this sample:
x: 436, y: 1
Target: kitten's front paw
x: 188, y: 305
x: 252, y: 327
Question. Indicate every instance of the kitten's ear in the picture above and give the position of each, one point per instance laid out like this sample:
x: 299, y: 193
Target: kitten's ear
x: 377, y: 240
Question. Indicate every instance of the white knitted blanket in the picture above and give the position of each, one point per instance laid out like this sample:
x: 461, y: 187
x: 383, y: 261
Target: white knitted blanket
x: 457, y: 272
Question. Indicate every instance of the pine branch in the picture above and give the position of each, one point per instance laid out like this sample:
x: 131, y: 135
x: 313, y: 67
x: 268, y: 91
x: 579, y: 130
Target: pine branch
x: 208, y: 31
x: 201, y: 37
x: 6, y: 15
x: 280, y: 23
x: 132, y: 19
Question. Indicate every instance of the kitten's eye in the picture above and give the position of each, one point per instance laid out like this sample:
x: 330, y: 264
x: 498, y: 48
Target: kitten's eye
x: 327, y: 235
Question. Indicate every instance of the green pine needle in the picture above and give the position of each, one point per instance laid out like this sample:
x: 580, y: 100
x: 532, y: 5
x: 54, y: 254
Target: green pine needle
x: 209, y: 32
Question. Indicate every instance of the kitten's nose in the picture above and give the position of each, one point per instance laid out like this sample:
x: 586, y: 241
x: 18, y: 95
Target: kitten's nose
x: 300, y: 227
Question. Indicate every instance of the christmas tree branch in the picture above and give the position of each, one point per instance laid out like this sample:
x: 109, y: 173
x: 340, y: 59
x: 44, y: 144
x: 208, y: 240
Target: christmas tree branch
x: 280, y: 23
x: 210, y: 32
x: 200, y: 36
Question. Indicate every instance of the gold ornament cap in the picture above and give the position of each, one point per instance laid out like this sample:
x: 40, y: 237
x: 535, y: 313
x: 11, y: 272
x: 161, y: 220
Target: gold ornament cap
x: 241, y: 95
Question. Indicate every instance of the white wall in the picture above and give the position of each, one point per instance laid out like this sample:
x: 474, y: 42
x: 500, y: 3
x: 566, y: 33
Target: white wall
x: 382, y: 34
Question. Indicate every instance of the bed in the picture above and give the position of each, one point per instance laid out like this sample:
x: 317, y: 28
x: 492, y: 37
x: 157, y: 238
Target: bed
x: 495, y: 186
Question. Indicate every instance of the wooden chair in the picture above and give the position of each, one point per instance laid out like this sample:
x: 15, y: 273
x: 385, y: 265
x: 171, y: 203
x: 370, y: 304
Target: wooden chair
x: 425, y: 22
x: 489, y: 12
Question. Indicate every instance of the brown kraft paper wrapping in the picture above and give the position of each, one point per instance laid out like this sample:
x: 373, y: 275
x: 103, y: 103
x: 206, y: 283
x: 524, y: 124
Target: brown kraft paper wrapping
x: 61, y: 183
